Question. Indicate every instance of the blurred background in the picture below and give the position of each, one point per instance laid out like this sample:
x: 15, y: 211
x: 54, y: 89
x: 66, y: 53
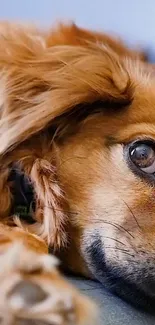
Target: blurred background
x: 133, y: 20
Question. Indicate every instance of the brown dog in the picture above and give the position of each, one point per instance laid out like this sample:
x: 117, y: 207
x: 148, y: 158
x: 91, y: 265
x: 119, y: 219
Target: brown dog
x: 78, y: 123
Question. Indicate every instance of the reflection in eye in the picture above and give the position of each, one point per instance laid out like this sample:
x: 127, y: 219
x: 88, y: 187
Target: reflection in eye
x: 142, y: 155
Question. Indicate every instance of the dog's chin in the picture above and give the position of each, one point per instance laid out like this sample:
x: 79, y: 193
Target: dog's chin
x: 136, y: 288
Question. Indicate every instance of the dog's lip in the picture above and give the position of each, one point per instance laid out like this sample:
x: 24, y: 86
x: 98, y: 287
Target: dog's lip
x: 140, y: 297
x: 138, y: 292
x: 112, y: 280
x: 135, y: 284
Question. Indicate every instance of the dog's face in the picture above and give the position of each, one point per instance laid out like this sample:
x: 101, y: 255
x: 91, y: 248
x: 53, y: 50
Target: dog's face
x: 100, y: 108
x: 108, y: 172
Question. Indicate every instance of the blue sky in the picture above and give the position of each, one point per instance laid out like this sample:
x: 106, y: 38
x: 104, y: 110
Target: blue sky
x: 134, y: 20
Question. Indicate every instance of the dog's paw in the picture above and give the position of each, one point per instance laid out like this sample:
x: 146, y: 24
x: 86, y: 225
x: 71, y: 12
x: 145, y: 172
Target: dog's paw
x: 32, y: 292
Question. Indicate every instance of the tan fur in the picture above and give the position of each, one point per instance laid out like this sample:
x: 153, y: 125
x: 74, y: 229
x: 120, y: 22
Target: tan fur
x: 48, y: 80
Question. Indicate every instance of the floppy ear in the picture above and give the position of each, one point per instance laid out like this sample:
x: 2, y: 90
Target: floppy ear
x: 39, y: 83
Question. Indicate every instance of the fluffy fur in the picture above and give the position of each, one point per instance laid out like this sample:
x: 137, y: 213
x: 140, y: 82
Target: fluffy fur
x: 69, y: 99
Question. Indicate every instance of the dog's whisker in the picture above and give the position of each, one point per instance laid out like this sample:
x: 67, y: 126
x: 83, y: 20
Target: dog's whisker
x: 134, y: 217
x: 116, y: 240
x: 141, y: 229
x: 119, y: 249
x: 71, y: 158
x: 116, y: 225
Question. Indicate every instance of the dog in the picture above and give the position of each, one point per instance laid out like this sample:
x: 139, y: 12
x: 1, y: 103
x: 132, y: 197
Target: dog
x: 77, y: 162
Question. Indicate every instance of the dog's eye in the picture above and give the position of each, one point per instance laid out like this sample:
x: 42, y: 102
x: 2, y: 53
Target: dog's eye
x: 142, y: 155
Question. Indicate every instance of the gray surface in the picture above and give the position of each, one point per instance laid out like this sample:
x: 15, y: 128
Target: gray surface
x: 113, y: 310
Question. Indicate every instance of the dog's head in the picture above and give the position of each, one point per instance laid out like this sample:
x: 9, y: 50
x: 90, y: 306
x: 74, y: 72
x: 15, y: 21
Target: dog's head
x: 86, y: 105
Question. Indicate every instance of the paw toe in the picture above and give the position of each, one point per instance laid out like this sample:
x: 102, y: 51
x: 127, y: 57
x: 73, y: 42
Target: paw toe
x: 31, y: 293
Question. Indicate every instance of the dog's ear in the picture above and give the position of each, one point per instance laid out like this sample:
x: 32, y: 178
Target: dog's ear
x: 40, y: 83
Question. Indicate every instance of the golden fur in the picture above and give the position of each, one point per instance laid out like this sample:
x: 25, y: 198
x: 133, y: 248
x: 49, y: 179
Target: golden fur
x: 69, y: 99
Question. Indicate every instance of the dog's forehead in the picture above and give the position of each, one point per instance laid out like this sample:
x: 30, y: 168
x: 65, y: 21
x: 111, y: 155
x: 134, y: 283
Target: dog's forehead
x: 134, y: 120
x: 139, y: 118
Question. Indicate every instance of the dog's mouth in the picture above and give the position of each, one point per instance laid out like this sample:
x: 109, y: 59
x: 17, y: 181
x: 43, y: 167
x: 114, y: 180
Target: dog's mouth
x: 136, y: 286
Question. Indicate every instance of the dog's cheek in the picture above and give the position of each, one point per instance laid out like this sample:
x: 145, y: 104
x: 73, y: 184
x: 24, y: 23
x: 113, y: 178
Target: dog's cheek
x: 102, y: 203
